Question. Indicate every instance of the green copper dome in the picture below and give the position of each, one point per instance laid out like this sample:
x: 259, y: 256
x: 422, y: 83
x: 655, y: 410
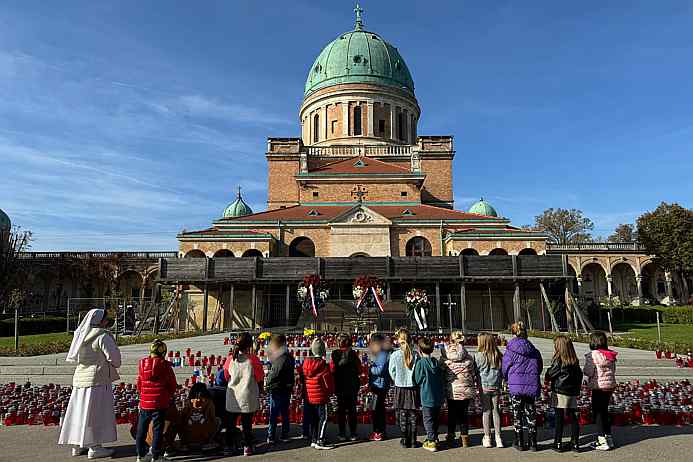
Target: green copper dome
x: 237, y: 208
x: 359, y: 56
x: 483, y: 208
x: 5, y: 222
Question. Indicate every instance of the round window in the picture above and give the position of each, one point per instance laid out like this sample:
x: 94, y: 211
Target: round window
x: 358, y: 59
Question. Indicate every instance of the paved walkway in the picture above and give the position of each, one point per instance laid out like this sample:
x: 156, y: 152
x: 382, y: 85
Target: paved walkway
x: 632, y: 364
x: 636, y: 444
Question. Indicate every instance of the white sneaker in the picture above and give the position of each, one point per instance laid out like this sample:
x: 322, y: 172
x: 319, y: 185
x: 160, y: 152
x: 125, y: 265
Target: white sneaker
x: 98, y: 452
x: 147, y: 458
x: 76, y: 452
x: 601, y: 444
x: 499, y: 442
x: 486, y: 441
x: 162, y: 459
x: 323, y: 446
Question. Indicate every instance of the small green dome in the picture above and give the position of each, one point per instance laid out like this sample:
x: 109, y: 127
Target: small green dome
x: 237, y: 208
x: 359, y: 56
x: 483, y: 208
x: 5, y: 222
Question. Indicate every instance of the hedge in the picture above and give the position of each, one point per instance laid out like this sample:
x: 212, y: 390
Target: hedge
x: 33, y: 326
x: 648, y: 314
x: 626, y: 342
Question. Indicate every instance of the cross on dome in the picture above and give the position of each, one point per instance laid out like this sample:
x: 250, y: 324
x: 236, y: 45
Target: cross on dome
x: 359, y: 21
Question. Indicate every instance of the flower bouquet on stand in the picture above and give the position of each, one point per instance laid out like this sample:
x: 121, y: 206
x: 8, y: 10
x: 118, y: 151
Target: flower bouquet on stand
x: 311, y: 296
x: 368, y: 295
x: 417, y: 304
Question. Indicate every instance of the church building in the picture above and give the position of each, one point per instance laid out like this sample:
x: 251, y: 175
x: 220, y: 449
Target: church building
x: 360, y: 181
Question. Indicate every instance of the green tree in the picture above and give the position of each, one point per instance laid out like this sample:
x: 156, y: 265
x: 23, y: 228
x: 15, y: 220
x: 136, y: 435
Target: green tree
x: 564, y: 226
x: 667, y: 233
x: 624, y: 232
x: 12, y: 270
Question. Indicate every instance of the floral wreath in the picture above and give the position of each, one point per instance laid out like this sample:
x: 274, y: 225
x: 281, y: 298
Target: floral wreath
x: 310, y: 295
x: 417, y: 303
x: 368, y: 293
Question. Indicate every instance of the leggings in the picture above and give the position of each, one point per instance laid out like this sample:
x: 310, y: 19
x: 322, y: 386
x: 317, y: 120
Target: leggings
x: 600, y: 410
x: 346, y: 412
x: 457, y: 414
x: 246, y: 425
x: 574, y: 425
x: 489, y: 403
x: 407, y: 423
x: 525, y: 410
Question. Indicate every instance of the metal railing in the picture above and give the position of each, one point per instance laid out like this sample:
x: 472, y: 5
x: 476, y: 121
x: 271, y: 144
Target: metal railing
x: 57, y: 255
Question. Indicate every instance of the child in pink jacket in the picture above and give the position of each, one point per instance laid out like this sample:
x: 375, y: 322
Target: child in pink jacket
x: 461, y: 381
x: 600, y: 371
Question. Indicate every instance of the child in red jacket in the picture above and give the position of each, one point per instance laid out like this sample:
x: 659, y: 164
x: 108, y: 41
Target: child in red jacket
x: 156, y: 383
x: 317, y: 381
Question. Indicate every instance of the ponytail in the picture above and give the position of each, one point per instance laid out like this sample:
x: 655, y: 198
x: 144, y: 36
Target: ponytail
x: 405, y: 346
x: 243, y: 343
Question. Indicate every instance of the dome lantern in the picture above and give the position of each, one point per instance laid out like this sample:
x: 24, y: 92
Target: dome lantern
x: 237, y: 208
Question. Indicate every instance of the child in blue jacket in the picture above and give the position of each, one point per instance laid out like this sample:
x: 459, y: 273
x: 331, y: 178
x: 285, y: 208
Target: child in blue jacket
x: 379, y: 384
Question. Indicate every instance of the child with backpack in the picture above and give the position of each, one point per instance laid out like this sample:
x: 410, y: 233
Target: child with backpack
x: 460, y: 377
x: 244, y: 374
x: 522, y: 366
x: 600, y: 370
x: 488, y: 360
x: 156, y: 383
x: 317, y: 381
x: 345, y: 365
x: 565, y: 377
x: 428, y: 376
x: 379, y: 384
x: 407, y: 401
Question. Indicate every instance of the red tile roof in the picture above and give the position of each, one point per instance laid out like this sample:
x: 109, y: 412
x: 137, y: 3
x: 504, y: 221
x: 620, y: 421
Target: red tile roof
x: 369, y: 166
x: 220, y: 232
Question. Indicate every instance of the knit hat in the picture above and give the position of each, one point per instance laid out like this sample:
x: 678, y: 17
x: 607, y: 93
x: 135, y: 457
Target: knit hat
x: 158, y: 348
x: 318, y: 348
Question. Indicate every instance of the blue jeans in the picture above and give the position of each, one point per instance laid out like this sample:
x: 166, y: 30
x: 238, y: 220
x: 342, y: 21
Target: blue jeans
x: 279, y: 405
x: 430, y: 421
x: 157, y: 418
x: 316, y: 416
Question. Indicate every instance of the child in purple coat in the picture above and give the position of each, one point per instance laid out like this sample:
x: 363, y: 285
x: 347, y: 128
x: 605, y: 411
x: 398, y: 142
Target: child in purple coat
x: 522, y: 366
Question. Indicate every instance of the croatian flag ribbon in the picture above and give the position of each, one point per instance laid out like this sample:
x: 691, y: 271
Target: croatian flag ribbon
x: 420, y: 319
x: 377, y: 300
x: 312, y: 301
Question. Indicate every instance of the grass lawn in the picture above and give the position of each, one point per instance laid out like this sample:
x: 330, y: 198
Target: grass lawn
x: 8, y: 342
x: 680, y: 333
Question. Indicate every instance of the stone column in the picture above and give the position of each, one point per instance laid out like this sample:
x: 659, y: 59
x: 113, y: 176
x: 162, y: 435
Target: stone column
x: 579, y: 283
x: 609, y: 285
x: 369, y: 108
x: 325, y: 124
x: 670, y: 289
x: 638, y: 281
x: 393, y: 122
x: 345, y: 118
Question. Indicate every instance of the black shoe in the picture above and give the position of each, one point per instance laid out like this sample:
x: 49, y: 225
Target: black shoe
x: 533, y: 443
x: 575, y: 446
x: 403, y: 443
x: 518, y: 442
x: 558, y: 447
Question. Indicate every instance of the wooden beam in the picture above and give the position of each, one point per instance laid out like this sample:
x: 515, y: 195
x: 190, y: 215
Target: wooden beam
x: 288, y: 304
x: 205, y: 307
x: 463, y: 306
x: 517, y: 312
x: 554, y: 324
x: 438, y: 303
x: 254, y: 303
x: 229, y: 322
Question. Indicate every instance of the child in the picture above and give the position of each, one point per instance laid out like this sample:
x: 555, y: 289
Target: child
x: 279, y: 383
x: 244, y: 374
x: 600, y: 370
x: 379, y: 384
x: 522, y: 365
x: 318, y: 385
x: 428, y: 377
x: 156, y: 383
x: 218, y: 393
x: 346, y: 370
x: 198, y: 419
x: 488, y: 363
x: 565, y: 377
x: 460, y: 376
x: 407, y: 402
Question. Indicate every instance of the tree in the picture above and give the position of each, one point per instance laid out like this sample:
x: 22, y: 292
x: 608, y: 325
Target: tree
x: 564, y: 226
x: 12, y: 271
x: 667, y: 233
x: 624, y: 232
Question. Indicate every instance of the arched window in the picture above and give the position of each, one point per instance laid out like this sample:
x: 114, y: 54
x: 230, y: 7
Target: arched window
x: 357, y: 120
x: 469, y: 251
x: 498, y: 251
x: 223, y: 253
x: 252, y: 253
x: 527, y: 251
x: 359, y: 255
x: 302, y: 247
x: 316, y: 128
x: 418, y: 247
x: 197, y: 253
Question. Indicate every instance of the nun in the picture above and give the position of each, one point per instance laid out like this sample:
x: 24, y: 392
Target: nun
x: 89, y: 420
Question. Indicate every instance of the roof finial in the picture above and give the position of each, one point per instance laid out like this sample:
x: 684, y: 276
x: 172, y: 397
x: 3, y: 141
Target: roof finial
x: 239, y: 192
x: 359, y: 21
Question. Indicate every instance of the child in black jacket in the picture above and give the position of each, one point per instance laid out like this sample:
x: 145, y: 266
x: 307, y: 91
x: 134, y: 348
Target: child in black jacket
x: 565, y: 377
x: 279, y: 383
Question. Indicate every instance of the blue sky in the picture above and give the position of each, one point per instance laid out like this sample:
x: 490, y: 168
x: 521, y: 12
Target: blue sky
x: 123, y: 122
